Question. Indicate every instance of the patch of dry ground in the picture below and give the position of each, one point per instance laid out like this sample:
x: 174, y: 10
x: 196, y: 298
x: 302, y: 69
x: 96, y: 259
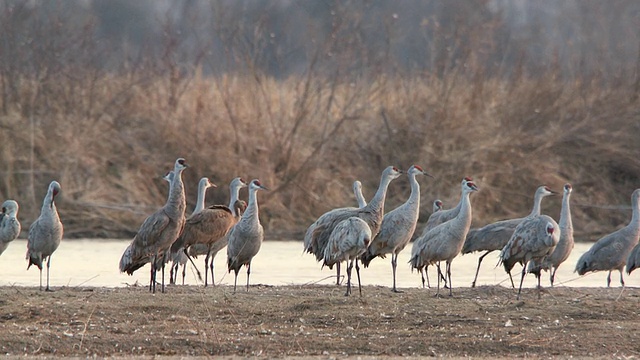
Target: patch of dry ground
x: 304, y: 321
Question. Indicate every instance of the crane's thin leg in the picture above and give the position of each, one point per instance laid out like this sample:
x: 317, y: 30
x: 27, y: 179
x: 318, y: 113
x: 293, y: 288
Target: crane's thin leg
x: 206, y: 267
x: 473, y: 284
x: 553, y: 275
x: 394, y: 265
x: 449, y: 276
x: 425, y: 274
x: 358, y: 273
x: 539, y: 286
x: 349, y: 268
x: 248, y: 272
x: 524, y: 271
x: 438, y: 289
x: 213, y: 283
x: 194, y: 265
x: 49, y: 265
x: 41, y: 279
x: 338, y: 274
x: 441, y: 275
x: 235, y: 282
x: 184, y: 272
x: 152, y: 281
x: 163, y: 277
x: 175, y: 266
x: 609, y: 279
x: 621, y: 278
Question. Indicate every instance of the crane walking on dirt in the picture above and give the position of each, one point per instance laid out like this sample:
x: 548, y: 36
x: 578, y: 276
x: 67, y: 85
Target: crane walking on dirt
x: 45, y: 233
x: 533, y: 239
x: 246, y: 236
x: 444, y: 242
x: 397, y: 226
x: 612, y: 251
x: 495, y: 236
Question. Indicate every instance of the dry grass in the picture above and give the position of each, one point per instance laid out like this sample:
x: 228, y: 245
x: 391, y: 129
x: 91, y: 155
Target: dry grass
x: 109, y: 140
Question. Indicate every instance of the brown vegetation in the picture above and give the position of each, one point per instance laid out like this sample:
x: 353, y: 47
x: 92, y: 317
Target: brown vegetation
x: 108, y: 135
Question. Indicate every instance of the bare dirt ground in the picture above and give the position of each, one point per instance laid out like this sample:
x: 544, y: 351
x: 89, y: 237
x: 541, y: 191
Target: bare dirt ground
x: 318, y: 321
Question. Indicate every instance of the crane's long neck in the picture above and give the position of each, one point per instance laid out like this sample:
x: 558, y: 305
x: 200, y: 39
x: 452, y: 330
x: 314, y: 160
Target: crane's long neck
x: 362, y: 202
x: 414, y: 197
x: 176, y: 203
x: 251, y: 213
x: 234, y: 194
x: 565, y: 224
x: 47, y: 204
x: 377, y: 203
x: 536, y: 205
x: 464, y: 216
x: 635, y: 218
x: 202, y: 191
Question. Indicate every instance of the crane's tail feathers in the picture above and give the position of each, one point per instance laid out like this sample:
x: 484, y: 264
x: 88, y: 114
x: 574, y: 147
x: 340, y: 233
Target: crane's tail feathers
x: 367, y: 257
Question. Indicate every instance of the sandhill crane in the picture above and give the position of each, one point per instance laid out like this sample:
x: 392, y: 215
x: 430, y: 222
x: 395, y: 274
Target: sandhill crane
x: 565, y: 244
x: 45, y: 233
x: 245, y: 237
x: 178, y: 255
x: 196, y: 250
x: 318, y: 236
x: 397, y: 226
x: 158, y: 231
x: 438, y: 217
x: 437, y: 205
x: 348, y: 241
x: 533, y: 239
x: 611, y: 252
x: 495, y: 236
x: 444, y: 242
x: 357, y: 191
x: 211, y: 226
x: 9, y: 224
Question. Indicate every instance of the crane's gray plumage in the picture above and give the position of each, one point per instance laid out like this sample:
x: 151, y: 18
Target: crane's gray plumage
x: 633, y: 261
x: 444, y: 242
x: 533, y: 239
x: 348, y: 241
x: 45, y: 233
x: 565, y: 244
x: 318, y: 237
x: 611, y: 252
x: 9, y: 225
x: 357, y: 191
x: 495, y: 236
x: 397, y: 226
x: 245, y: 237
x: 158, y: 231
x: 439, y: 216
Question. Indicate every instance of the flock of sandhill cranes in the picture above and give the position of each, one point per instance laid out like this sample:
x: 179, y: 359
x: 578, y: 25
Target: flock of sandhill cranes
x: 350, y: 234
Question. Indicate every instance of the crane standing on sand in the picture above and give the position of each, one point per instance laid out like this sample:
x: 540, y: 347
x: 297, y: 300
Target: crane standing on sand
x: 348, y: 241
x: 45, y: 233
x: 611, y: 252
x: 246, y: 236
x: 495, y: 236
x: 158, y: 231
x: 9, y: 225
x: 565, y: 244
x: 211, y: 225
x: 357, y: 191
x: 177, y: 253
x: 318, y: 236
x: 444, y: 242
x: 532, y: 240
x: 397, y: 227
